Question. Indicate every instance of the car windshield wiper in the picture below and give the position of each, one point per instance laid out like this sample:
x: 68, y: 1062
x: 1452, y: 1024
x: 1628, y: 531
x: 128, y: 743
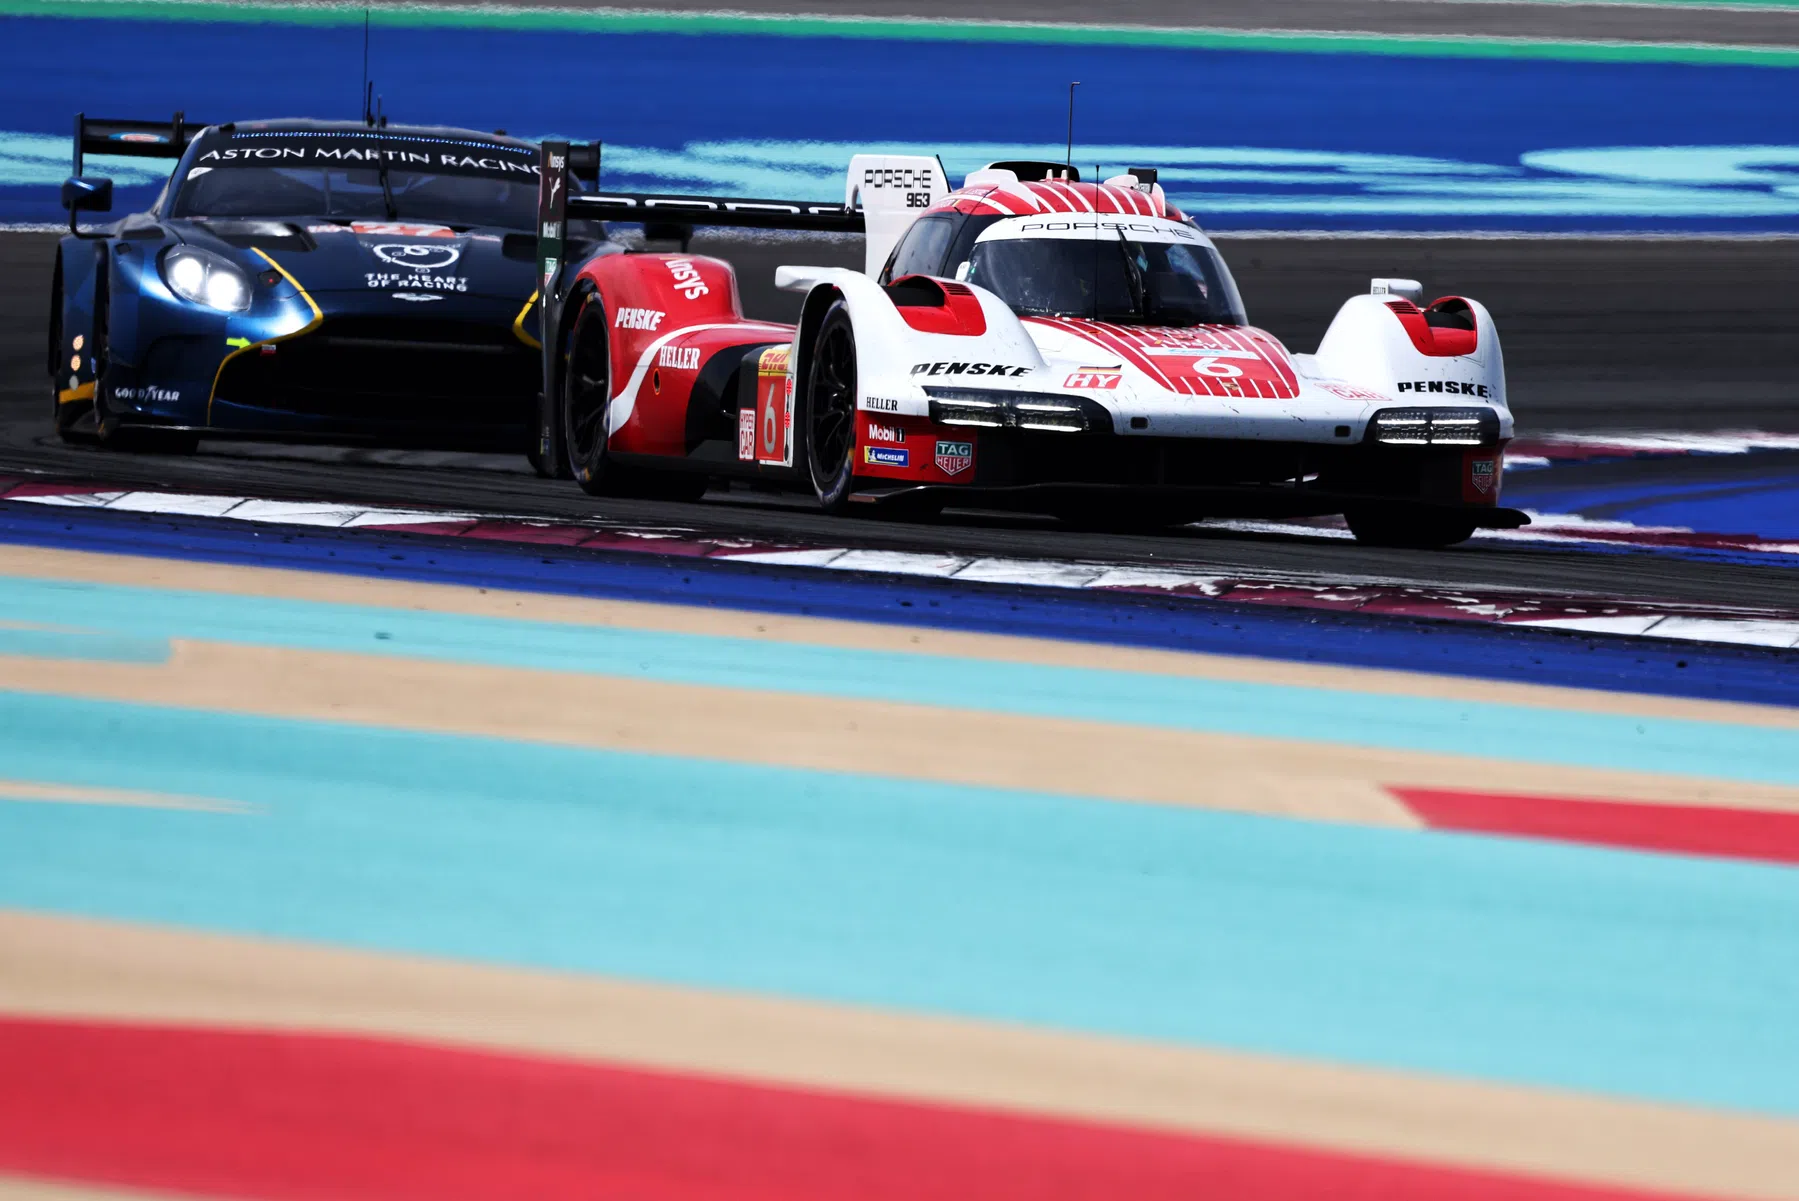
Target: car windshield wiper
x: 1139, y: 295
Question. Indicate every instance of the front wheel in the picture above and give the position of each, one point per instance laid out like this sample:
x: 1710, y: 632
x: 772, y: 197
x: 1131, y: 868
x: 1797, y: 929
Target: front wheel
x: 1408, y: 530
x: 831, y: 410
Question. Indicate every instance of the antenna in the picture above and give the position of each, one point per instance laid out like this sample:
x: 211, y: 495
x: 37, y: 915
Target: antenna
x: 368, y: 104
x: 1070, y: 159
x: 365, y: 61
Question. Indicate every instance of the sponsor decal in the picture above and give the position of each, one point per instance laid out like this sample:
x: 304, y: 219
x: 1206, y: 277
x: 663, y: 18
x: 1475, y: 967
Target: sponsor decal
x: 1448, y: 387
x: 418, y: 296
x: 680, y: 358
x: 397, y: 229
x: 881, y: 404
x: 953, y: 458
x: 1351, y: 392
x: 418, y: 256
x: 429, y: 283
x: 885, y: 433
x: 1161, y: 231
x: 687, y: 278
x: 1177, y: 349
x: 630, y: 318
x: 887, y: 456
x: 1084, y: 378
x: 138, y: 137
x: 967, y: 369
x: 316, y: 153
x: 774, y: 407
x: 1482, y: 473
x: 148, y: 392
x: 746, y: 434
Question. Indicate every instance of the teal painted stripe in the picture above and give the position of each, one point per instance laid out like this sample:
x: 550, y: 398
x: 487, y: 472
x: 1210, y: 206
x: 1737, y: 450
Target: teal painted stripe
x: 1571, y: 967
x: 81, y: 644
x: 1515, y: 732
x: 748, y: 25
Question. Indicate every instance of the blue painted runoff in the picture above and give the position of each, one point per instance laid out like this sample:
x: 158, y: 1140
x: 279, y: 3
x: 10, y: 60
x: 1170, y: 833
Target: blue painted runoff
x: 1758, y: 500
x: 1568, y: 737
x: 1245, y: 139
x: 1748, y: 674
x: 1643, y: 975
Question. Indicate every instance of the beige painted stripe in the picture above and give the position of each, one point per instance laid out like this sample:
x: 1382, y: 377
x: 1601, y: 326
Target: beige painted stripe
x: 1221, y: 771
x: 70, y: 794
x: 22, y: 1188
x: 81, y: 969
x: 482, y: 602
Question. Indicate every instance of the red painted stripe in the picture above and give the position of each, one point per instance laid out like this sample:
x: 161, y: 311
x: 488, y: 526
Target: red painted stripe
x: 300, y: 1117
x: 1682, y: 829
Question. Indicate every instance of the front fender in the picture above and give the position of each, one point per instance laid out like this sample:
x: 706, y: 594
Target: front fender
x: 1368, y: 345
x: 893, y: 358
x: 78, y: 262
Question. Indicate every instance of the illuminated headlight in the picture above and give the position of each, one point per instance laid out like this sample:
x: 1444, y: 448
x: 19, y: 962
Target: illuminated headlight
x: 1015, y: 410
x: 1434, y: 427
x: 207, y: 279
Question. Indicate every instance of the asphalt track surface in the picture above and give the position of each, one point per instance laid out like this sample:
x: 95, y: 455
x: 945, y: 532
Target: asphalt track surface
x: 1664, y: 22
x: 1602, y: 334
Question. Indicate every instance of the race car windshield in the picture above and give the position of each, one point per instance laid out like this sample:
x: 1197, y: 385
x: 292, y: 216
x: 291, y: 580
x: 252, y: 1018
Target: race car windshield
x: 356, y: 192
x: 1110, y: 278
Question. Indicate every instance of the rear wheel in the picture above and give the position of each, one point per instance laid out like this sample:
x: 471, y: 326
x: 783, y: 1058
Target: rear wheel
x: 586, y: 411
x: 831, y: 410
x: 1412, y: 530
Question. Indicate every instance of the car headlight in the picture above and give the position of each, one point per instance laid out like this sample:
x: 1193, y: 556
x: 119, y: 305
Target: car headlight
x: 207, y: 279
x: 1435, y: 427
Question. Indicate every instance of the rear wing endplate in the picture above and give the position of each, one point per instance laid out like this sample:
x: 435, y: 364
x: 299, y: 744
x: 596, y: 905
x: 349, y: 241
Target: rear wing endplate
x: 137, y: 139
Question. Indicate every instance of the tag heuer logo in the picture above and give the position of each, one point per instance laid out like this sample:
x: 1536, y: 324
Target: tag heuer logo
x: 1482, y: 475
x: 953, y: 458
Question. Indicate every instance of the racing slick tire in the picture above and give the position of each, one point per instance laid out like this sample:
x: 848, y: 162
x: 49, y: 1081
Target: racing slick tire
x: 831, y: 410
x: 586, y: 403
x: 114, y: 434
x: 1408, y: 530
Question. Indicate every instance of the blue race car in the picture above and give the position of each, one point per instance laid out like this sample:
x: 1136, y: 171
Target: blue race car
x: 329, y: 281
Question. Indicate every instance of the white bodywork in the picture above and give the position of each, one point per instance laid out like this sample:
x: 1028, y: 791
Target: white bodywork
x: 1366, y: 362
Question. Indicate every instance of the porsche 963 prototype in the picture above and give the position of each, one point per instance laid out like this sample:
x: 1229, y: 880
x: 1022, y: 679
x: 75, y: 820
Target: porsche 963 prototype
x: 1029, y: 340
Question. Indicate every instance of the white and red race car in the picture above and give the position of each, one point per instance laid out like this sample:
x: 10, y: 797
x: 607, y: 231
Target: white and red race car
x: 1027, y: 341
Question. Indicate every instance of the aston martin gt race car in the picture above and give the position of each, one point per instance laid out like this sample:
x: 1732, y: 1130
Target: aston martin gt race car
x: 1029, y: 341
x: 303, y: 280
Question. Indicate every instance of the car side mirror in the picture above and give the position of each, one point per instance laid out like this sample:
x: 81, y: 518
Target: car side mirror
x: 87, y: 194
x: 962, y: 270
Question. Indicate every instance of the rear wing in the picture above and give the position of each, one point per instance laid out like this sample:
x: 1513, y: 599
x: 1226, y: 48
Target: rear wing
x: 137, y: 139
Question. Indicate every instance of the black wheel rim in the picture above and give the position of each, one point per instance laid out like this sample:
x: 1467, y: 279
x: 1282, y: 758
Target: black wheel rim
x: 589, y: 390
x: 833, y: 401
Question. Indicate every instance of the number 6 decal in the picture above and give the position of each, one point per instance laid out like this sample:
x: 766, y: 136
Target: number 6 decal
x: 1212, y: 367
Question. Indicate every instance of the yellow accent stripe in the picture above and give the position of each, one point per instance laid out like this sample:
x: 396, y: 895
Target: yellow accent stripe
x: 71, y: 395
x: 318, y: 317
x: 518, y: 325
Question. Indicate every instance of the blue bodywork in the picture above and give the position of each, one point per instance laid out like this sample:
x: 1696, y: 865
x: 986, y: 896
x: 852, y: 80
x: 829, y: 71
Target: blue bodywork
x: 408, y: 331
